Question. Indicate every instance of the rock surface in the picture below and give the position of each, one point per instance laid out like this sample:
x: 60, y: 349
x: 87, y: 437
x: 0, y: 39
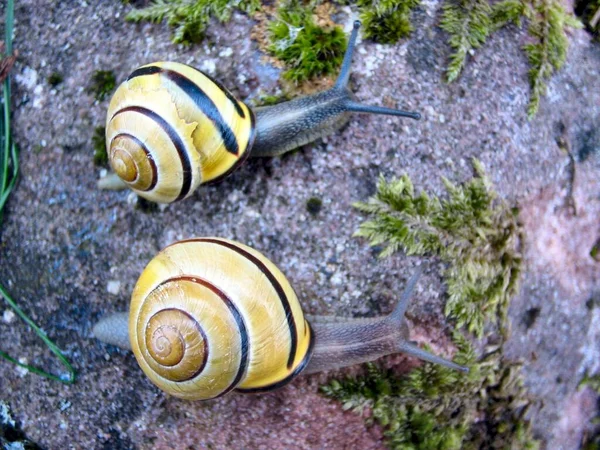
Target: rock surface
x: 63, y: 242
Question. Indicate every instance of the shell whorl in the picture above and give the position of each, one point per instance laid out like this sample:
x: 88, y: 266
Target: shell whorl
x: 210, y: 315
x: 170, y: 128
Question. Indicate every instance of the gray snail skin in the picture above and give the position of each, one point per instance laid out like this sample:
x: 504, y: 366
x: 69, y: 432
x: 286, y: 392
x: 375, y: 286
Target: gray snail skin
x: 209, y: 315
x: 171, y: 128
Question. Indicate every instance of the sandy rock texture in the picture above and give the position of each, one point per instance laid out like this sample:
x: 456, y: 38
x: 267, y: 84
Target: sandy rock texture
x: 71, y: 253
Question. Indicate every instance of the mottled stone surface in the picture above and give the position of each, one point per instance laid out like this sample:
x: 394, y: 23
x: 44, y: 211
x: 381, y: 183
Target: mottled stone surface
x: 64, y: 245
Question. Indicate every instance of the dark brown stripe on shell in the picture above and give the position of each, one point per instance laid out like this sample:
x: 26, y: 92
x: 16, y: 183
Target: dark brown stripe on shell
x: 292, y: 375
x: 228, y: 94
x: 274, y: 282
x: 151, y: 70
x: 245, y: 343
x: 148, y: 70
x: 175, y: 139
x: 200, y: 330
x: 148, y: 155
x: 207, y: 106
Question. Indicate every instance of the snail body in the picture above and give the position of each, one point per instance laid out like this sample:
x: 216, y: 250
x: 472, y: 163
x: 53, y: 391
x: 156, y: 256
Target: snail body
x: 210, y: 315
x: 171, y: 128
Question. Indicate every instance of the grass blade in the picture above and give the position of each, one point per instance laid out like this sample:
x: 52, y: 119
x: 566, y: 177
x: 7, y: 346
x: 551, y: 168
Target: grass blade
x: 9, y: 168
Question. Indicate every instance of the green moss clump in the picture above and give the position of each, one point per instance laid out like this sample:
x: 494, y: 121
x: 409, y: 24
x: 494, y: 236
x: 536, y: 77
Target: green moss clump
x: 190, y: 18
x: 549, y: 51
x: 307, y: 49
x: 99, y: 146
x: 592, y: 381
x: 314, y: 205
x: 472, y: 230
x: 386, y: 21
x: 470, y: 22
x: 55, y: 79
x: 434, y: 407
x: 103, y: 83
x: 508, y: 11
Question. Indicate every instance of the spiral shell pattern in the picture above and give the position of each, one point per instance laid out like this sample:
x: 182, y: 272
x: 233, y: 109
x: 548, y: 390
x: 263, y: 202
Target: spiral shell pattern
x: 209, y: 315
x: 170, y: 128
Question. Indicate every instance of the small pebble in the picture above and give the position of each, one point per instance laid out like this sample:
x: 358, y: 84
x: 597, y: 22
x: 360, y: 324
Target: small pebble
x: 8, y: 316
x: 64, y: 405
x: 132, y: 199
x: 209, y: 66
x: 336, y: 279
x: 113, y: 287
x: 22, y: 371
x: 226, y: 52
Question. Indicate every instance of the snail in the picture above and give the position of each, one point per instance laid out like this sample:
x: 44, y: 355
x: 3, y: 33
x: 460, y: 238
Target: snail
x: 209, y: 315
x: 171, y: 127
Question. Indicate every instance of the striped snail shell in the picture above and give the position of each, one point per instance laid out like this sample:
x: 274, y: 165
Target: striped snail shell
x: 199, y: 330
x: 210, y: 315
x: 171, y: 128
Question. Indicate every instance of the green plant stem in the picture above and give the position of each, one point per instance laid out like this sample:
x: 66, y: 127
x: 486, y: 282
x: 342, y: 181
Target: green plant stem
x: 9, y: 159
x: 51, y: 345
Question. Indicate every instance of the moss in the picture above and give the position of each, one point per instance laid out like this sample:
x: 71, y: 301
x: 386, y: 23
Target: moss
x: 99, y: 146
x: 592, y: 381
x: 314, y: 205
x: 592, y: 440
x: 594, y: 253
x: 102, y: 84
x: 189, y: 19
x: 468, y: 25
x: 269, y: 100
x: 434, y: 407
x: 55, y: 79
x: 386, y: 21
x: 548, y: 52
x: 472, y: 230
x: 470, y: 22
x: 508, y: 11
x: 307, y: 49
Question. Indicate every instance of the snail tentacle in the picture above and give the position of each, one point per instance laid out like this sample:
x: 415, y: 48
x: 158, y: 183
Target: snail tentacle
x: 289, y: 125
x: 344, y: 76
x: 353, y: 341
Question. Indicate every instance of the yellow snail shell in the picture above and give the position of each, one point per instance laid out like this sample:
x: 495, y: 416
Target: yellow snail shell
x: 170, y: 128
x: 199, y: 330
